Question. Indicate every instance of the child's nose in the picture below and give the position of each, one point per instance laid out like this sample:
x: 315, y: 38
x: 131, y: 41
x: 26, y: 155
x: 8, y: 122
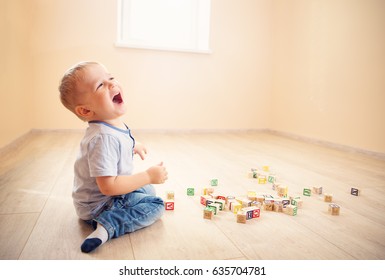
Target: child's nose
x: 112, y: 84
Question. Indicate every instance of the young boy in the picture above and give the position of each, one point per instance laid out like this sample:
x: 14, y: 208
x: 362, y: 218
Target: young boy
x: 106, y: 193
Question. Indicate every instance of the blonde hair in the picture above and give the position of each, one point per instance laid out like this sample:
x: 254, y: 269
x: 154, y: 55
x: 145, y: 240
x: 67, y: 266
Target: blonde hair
x: 68, y: 87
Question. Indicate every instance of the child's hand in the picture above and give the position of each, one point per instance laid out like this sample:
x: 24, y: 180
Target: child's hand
x: 158, y: 174
x: 140, y: 149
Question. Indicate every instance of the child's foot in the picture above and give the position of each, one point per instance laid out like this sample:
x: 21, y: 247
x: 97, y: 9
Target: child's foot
x: 95, y: 239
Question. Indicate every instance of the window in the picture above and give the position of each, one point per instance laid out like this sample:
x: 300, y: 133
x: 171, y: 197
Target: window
x: 179, y: 25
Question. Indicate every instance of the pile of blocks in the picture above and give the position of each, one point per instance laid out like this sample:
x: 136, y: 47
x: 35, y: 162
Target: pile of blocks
x: 249, y: 206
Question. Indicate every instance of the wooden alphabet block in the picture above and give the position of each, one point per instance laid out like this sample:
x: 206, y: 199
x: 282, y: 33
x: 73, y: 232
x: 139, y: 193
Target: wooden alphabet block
x: 204, y: 199
x: 215, y: 207
x: 278, y: 206
x: 297, y: 202
x: 354, y: 191
x: 271, y: 178
x: 285, y: 202
x: 317, y: 190
x: 221, y: 204
x: 262, y: 179
x: 251, y: 194
x: 241, y: 217
x: 170, y: 195
x: 169, y: 205
x: 208, y: 191
x: 214, y: 182
x: 235, y: 207
x: 281, y: 191
x: 266, y: 168
x: 268, y: 205
x: 291, y: 210
x: 207, y: 213
x: 334, y: 209
x: 307, y: 192
x: 190, y: 191
x: 328, y: 197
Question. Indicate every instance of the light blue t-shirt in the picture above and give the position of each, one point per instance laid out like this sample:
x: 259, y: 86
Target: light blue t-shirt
x: 104, y: 151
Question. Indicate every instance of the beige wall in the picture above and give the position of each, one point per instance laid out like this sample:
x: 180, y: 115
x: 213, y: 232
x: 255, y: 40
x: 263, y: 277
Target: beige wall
x: 15, y: 92
x: 166, y: 90
x: 310, y: 68
x: 329, y: 71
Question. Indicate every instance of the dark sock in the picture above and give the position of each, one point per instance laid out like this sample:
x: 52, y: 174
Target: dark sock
x: 90, y: 244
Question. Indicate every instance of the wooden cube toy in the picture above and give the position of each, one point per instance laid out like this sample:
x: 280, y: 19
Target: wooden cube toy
x: 262, y: 179
x: 170, y: 195
x: 169, y: 205
x: 190, y: 191
x: 208, y: 213
x: 271, y: 178
x: 328, y: 197
x: 204, y: 199
x: 214, y: 182
x: 354, y: 191
x: 291, y: 210
x: 334, y: 209
x: 297, y: 202
x: 317, y: 190
x: 307, y: 192
x: 241, y: 217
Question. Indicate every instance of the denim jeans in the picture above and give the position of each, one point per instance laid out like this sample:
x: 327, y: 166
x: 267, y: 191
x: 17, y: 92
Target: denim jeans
x: 131, y: 212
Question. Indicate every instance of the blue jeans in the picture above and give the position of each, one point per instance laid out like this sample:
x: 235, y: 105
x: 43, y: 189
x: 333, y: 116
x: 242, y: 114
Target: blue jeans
x: 131, y: 212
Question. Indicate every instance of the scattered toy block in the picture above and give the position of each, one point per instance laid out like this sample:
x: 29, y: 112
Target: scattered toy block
x: 266, y: 168
x: 251, y: 194
x: 190, y: 191
x: 208, y: 213
x: 278, y: 206
x: 354, y: 191
x: 241, y: 217
x: 260, y: 198
x: 271, y: 178
x: 235, y: 206
x: 317, y: 190
x: 169, y: 205
x: 334, y: 209
x: 328, y: 197
x: 215, y: 207
x: 307, y: 192
x: 221, y: 204
x: 291, y: 210
x: 262, y: 179
x: 268, y: 205
x: 281, y: 191
x: 297, y: 202
x: 170, y: 195
x: 208, y: 191
x: 214, y: 182
x: 285, y: 202
x: 204, y: 199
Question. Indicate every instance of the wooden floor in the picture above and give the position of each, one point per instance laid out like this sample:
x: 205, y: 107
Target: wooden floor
x: 38, y: 221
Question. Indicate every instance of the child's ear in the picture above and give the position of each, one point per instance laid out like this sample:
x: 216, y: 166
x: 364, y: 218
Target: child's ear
x: 83, y: 111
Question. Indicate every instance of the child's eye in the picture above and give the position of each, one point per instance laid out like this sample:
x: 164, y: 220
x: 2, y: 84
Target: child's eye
x: 99, y: 86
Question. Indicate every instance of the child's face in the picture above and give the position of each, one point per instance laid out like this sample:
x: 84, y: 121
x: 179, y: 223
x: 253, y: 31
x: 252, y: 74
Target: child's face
x: 102, y: 97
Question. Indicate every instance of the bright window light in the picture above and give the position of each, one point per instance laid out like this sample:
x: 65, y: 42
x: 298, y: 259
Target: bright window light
x: 178, y: 25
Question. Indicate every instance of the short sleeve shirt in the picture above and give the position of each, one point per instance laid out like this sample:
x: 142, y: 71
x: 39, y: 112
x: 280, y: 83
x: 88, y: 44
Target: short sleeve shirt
x: 104, y: 151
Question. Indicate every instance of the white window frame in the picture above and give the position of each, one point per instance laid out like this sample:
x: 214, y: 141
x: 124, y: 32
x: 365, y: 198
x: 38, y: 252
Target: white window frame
x: 198, y: 34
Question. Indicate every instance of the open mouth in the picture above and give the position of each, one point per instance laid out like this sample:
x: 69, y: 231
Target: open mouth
x: 117, y: 99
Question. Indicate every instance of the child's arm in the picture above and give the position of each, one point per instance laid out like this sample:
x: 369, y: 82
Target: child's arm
x: 118, y: 185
